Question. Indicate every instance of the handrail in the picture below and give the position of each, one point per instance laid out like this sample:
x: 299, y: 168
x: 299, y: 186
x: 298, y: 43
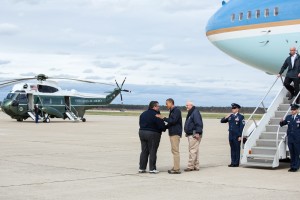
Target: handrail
x: 70, y: 109
x: 277, y: 134
x: 255, y: 110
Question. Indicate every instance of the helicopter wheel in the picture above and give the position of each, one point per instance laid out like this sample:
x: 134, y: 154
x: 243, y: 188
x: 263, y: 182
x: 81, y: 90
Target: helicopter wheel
x: 47, y: 120
x: 83, y: 120
x: 20, y: 120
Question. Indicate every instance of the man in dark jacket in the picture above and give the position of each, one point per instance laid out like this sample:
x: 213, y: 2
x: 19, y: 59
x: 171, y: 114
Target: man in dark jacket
x: 193, y: 128
x: 293, y: 134
x: 175, y: 132
x: 236, y: 125
x: 150, y: 131
x: 293, y: 73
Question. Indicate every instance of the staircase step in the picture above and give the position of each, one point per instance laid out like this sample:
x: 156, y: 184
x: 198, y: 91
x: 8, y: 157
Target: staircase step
x: 258, y: 164
x: 274, y: 128
x: 275, y: 121
x: 280, y: 114
x: 267, y: 142
x: 283, y: 107
x: 263, y: 150
x: 286, y: 101
x: 271, y: 135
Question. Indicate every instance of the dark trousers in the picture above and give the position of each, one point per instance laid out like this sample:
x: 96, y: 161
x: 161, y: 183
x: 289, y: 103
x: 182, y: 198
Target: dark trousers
x: 293, y: 90
x: 294, y: 148
x: 235, y: 151
x: 36, y: 118
x: 149, y: 142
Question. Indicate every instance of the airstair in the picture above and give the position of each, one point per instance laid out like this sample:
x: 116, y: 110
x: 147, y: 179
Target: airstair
x: 266, y: 141
x: 31, y: 115
x: 71, y: 115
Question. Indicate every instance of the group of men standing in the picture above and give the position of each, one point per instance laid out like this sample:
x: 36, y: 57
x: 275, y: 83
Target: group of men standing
x: 152, y: 124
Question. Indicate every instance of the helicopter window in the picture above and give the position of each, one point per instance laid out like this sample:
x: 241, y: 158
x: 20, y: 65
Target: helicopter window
x: 22, y: 98
x: 10, y: 96
x: 232, y: 17
x: 267, y: 12
x: 257, y: 15
x: 249, y: 15
x: 47, y: 89
x: 276, y: 11
x: 241, y: 16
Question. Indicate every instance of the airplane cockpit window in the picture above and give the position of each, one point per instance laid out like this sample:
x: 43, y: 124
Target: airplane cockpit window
x: 257, y: 14
x: 276, y: 11
x: 267, y: 12
x: 249, y: 15
x: 232, y: 17
x: 22, y: 98
x: 47, y: 89
x: 241, y: 16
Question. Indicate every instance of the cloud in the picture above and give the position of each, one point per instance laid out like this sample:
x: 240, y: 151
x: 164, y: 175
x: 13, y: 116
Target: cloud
x: 88, y: 71
x: 8, y: 29
x: 54, y: 69
x: 106, y: 64
x: 31, y: 74
x: 158, y: 48
x: 4, y: 62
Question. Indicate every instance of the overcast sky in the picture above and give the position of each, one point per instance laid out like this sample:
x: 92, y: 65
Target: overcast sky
x: 159, y: 45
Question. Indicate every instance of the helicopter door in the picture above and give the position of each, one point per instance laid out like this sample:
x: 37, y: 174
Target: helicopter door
x: 30, y: 101
x: 67, y: 102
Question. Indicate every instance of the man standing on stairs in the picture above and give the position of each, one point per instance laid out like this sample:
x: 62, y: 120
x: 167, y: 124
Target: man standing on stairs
x: 293, y: 134
x: 293, y: 73
x: 236, y: 125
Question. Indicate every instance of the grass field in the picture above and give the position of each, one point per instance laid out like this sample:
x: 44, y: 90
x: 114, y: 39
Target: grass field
x: 137, y: 113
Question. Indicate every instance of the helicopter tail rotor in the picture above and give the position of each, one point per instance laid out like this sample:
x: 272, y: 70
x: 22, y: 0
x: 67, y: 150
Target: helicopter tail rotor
x: 121, y: 89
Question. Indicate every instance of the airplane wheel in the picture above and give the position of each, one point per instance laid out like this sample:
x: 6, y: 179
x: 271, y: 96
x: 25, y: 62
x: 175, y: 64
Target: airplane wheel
x: 83, y: 120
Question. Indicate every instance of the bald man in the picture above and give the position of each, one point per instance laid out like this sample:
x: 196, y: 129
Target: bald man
x: 293, y: 73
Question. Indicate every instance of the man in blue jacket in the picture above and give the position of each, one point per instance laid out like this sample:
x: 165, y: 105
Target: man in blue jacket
x: 236, y: 125
x: 293, y: 134
x: 175, y: 132
x: 193, y: 129
x: 150, y: 131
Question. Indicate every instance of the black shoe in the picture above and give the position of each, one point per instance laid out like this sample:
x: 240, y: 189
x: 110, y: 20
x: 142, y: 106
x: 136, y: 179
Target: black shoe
x: 172, y: 171
x: 231, y: 165
x: 292, y: 170
x: 291, y: 97
x: 235, y: 166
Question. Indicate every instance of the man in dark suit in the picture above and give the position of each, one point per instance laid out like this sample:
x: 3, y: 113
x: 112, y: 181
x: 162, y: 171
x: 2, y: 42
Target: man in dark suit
x: 293, y: 134
x: 293, y: 73
x: 236, y: 125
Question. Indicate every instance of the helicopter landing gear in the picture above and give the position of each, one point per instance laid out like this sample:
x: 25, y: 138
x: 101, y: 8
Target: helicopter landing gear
x: 19, y: 119
x: 83, y: 120
x: 46, y: 119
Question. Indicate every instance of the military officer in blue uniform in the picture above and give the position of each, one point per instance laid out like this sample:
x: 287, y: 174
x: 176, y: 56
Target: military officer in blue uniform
x: 236, y: 124
x: 293, y: 134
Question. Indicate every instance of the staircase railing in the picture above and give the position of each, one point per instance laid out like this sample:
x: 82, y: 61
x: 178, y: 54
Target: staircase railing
x: 278, y: 145
x: 252, y: 116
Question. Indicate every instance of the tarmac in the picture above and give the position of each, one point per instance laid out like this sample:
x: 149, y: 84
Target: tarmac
x: 99, y: 159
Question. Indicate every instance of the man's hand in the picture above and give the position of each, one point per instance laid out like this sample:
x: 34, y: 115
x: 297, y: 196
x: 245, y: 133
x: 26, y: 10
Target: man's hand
x: 159, y: 116
x: 239, y: 139
x: 197, y: 136
x: 228, y: 116
x: 278, y: 75
x: 299, y: 75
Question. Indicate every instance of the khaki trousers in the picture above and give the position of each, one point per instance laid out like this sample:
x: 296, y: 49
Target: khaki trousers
x: 175, y: 140
x: 193, y: 162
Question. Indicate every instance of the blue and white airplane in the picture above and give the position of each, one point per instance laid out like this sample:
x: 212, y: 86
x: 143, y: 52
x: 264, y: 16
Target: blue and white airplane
x: 258, y: 33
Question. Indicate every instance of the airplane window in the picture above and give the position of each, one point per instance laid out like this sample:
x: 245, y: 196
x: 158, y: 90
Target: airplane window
x: 276, y: 11
x: 267, y: 13
x: 249, y: 15
x: 232, y: 17
x: 241, y: 16
x: 257, y: 14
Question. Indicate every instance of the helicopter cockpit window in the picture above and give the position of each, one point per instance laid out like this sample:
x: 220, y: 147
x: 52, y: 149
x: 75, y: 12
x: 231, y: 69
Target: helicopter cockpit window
x: 47, y: 89
x: 22, y: 98
x: 10, y: 96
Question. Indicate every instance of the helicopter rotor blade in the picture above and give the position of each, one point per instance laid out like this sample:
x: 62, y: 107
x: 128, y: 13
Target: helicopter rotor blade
x: 126, y: 91
x: 117, y: 84
x: 80, y: 80
x: 121, y: 97
x: 123, y: 82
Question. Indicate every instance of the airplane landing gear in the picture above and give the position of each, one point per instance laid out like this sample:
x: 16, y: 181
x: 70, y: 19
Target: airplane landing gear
x: 83, y: 120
